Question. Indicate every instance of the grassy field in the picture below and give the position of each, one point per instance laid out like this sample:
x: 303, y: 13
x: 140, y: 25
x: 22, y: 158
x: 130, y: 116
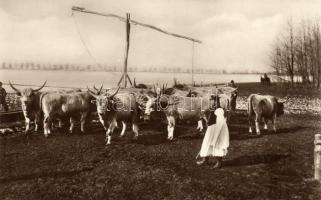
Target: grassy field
x: 270, y: 166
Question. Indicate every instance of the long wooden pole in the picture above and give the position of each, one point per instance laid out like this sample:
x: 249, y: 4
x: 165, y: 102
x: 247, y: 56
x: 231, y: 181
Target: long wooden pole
x: 128, y: 21
x: 126, y: 50
x: 124, y: 77
x: 79, y: 9
x: 193, y: 83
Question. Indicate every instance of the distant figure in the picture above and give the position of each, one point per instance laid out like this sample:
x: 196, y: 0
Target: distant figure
x: 232, y: 84
x: 265, y: 76
x: 3, y: 95
x: 265, y: 80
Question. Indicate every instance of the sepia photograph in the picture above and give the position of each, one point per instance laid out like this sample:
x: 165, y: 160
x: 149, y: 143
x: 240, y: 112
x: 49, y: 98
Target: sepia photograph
x: 160, y: 99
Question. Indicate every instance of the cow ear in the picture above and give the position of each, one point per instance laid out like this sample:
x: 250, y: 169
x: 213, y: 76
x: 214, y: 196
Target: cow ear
x: 93, y: 101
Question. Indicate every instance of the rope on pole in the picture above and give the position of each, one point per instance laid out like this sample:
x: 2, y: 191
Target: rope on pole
x: 83, y: 41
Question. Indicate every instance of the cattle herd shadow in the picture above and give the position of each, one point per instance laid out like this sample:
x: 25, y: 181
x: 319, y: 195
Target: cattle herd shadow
x: 240, y: 132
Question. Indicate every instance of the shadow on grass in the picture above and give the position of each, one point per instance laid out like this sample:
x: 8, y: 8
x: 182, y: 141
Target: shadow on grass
x: 254, y: 159
x: 242, y: 132
x: 152, y: 139
x: 54, y: 174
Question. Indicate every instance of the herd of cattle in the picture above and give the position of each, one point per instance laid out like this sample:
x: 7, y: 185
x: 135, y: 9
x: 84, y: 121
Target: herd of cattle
x: 133, y: 104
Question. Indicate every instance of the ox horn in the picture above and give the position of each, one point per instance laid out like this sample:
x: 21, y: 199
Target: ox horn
x: 92, y: 93
x: 135, y: 82
x: 95, y: 87
x: 15, y: 89
x: 163, y: 88
x: 100, y: 89
x: 154, y: 87
x: 43, y: 85
x: 111, y: 96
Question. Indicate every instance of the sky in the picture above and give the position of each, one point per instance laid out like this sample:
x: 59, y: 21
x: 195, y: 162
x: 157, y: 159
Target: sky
x: 235, y: 34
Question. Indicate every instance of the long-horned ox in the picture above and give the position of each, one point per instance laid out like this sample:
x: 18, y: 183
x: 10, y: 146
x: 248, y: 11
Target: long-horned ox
x: 117, y: 107
x: 30, y: 104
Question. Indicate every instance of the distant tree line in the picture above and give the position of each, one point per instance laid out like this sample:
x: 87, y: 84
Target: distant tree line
x: 296, y: 53
x: 100, y: 67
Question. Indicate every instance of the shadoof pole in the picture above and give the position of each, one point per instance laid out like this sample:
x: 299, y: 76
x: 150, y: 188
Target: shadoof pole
x: 125, y: 76
x: 193, y: 83
x: 317, y: 157
x: 129, y: 21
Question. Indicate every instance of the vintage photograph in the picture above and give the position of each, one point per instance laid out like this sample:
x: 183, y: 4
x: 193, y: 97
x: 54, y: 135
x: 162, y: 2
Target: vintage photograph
x: 160, y: 99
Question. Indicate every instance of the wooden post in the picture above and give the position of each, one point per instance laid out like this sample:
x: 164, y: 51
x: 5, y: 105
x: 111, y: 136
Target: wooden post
x: 2, y: 154
x: 125, y: 75
x: 317, y: 157
x: 193, y: 83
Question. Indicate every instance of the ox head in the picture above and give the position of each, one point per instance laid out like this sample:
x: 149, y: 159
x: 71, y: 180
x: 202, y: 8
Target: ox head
x: 151, y: 105
x: 104, y: 101
x: 27, y: 97
x: 280, y: 107
x: 152, y: 101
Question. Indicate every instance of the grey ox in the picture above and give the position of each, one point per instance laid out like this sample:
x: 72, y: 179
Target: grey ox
x: 64, y: 104
x: 180, y: 108
x: 117, y: 107
x: 30, y: 104
x: 263, y: 107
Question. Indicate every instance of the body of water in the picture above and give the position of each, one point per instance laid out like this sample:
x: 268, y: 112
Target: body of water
x: 82, y: 79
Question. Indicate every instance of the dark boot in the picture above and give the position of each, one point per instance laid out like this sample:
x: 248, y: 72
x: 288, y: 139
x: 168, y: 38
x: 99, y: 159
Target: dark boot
x: 202, y: 161
x: 218, y: 163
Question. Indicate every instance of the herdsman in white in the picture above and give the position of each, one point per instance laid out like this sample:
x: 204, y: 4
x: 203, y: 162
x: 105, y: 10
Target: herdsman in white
x: 216, y: 139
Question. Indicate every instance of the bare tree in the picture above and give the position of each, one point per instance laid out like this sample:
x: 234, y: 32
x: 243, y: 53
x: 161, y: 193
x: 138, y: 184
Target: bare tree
x: 297, y: 53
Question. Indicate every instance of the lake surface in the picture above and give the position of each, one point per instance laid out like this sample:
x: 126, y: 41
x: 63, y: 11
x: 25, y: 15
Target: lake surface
x: 82, y: 79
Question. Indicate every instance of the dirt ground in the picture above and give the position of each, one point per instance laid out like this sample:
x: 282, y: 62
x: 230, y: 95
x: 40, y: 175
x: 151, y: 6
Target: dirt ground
x: 75, y: 166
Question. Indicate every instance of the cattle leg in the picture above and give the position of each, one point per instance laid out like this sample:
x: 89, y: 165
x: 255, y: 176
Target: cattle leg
x: 102, y: 121
x: 46, y: 126
x: 83, y: 122
x: 274, y: 123
x: 59, y: 123
x: 257, y: 125
x: 250, y: 124
x: 27, y: 121
x: 110, y: 130
x: 265, y: 124
x: 37, y: 123
x: 135, y: 130
x: 72, y: 125
x: 200, y: 125
x: 36, y: 126
x: 170, y: 127
x: 123, y: 129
